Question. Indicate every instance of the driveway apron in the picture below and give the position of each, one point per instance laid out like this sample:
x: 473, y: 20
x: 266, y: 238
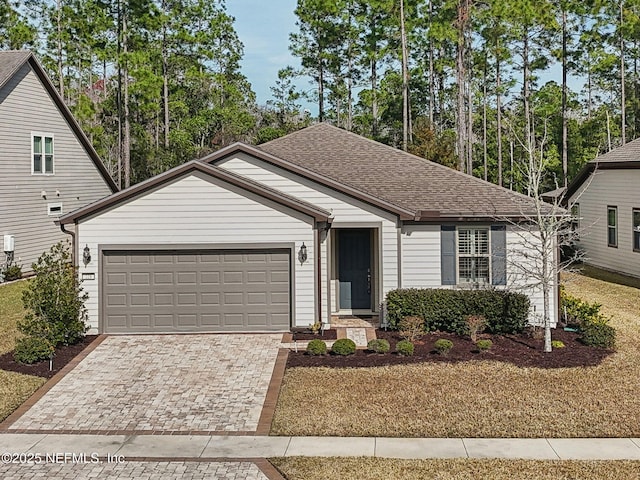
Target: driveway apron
x: 162, y: 383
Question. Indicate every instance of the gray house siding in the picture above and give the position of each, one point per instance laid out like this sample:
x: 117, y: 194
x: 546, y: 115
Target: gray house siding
x: 26, y: 107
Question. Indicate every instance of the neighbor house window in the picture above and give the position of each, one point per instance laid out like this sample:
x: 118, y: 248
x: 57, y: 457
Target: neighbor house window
x: 636, y: 229
x: 474, y: 256
x: 42, y: 146
x: 612, y: 226
x: 575, y: 216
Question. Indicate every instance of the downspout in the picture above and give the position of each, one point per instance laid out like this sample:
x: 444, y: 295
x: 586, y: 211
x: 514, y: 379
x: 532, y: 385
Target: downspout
x: 73, y: 240
x: 316, y: 247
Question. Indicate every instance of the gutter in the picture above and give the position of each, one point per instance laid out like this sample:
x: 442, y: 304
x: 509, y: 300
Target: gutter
x: 73, y: 240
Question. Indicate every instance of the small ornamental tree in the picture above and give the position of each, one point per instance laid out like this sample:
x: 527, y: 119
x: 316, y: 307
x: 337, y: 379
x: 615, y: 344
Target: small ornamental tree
x: 54, y: 299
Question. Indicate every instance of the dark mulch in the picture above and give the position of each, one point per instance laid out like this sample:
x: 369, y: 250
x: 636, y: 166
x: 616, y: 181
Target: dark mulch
x: 519, y: 350
x: 308, y: 335
x: 63, y: 355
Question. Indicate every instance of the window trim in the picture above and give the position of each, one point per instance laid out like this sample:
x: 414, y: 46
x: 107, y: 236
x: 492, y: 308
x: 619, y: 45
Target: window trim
x: 575, y: 216
x: 634, y: 211
x: 43, y: 161
x: 614, y: 227
x: 488, y: 256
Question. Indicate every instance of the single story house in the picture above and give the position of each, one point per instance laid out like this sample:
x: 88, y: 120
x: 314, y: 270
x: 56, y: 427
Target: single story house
x: 605, y: 199
x: 315, y: 225
x: 48, y: 166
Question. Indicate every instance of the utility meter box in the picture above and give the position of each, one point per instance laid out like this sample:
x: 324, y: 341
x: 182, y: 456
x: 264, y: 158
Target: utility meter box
x: 9, y: 243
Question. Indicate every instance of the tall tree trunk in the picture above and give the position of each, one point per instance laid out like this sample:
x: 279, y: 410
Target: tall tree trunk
x: 320, y: 89
x: 623, y: 99
x: 484, y: 116
x: 499, y: 114
x: 374, y: 98
x: 126, y: 140
x: 468, y: 96
x: 165, y: 77
x: 59, y: 46
x: 525, y: 99
x: 565, y: 128
x: 461, y: 126
x: 432, y: 83
x: 405, y: 81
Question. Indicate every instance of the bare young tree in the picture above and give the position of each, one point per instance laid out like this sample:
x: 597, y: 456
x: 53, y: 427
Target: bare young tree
x: 543, y: 229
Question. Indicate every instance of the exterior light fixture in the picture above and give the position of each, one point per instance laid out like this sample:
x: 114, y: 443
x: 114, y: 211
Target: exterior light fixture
x: 302, y: 254
x: 86, y: 255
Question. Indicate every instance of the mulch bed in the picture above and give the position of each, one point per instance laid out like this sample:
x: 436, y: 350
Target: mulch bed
x: 64, y: 354
x: 308, y: 335
x: 519, y: 350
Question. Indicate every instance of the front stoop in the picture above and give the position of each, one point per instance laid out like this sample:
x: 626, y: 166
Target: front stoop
x: 360, y: 335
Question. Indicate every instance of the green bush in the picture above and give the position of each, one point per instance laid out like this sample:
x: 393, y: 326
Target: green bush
x: 32, y: 350
x: 447, y: 310
x: 316, y: 347
x: 574, y: 311
x: 405, y: 348
x: 54, y: 299
x: 557, y: 344
x: 344, y: 346
x: 12, y: 272
x: 484, y: 345
x: 443, y: 346
x: 378, y: 345
x: 598, y: 334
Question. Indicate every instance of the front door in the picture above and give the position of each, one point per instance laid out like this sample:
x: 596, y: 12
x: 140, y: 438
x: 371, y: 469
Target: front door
x: 354, y: 268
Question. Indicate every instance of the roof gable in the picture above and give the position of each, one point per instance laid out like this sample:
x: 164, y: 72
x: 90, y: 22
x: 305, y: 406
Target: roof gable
x: 158, y: 181
x: 399, y: 182
x: 11, y: 62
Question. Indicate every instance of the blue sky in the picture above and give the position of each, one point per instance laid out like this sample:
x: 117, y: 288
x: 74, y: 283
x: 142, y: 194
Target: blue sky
x: 264, y: 28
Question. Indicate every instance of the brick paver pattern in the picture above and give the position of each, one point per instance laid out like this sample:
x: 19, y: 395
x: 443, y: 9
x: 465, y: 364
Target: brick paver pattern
x: 137, y: 470
x: 162, y: 383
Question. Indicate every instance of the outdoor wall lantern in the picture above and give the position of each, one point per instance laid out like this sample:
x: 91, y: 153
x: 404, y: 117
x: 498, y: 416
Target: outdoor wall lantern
x: 302, y: 254
x: 86, y: 255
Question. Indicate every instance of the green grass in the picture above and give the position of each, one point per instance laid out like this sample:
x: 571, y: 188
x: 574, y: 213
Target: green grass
x: 15, y: 388
x: 11, y: 310
x: 349, y: 468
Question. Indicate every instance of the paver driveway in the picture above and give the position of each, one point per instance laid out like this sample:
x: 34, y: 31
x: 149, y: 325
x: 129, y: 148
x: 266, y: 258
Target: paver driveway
x: 182, y: 383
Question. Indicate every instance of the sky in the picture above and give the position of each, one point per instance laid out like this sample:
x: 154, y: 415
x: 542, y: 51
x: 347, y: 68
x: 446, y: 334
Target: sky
x: 264, y: 28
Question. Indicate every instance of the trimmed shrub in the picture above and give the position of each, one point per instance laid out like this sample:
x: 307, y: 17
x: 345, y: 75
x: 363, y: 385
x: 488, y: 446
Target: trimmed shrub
x: 344, y: 346
x: 443, y: 346
x: 598, y: 334
x: 378, y: 345
x: 475, y: 325
x: 446, y: 310
x: 557, y: 344
x: 12, y: 272
x: 405, y: 348
x: 484, y: 345
x: 574, y: 311
x: 32, y: 350
x: 316, y: 347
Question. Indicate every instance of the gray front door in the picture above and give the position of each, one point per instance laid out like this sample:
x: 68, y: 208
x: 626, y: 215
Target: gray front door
x: 164, y: 291
x: 354, y: 268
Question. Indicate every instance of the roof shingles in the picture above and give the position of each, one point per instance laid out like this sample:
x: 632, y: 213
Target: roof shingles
x: 397, y: 177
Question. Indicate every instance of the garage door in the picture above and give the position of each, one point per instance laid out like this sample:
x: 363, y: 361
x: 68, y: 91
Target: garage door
x: 166, y: 291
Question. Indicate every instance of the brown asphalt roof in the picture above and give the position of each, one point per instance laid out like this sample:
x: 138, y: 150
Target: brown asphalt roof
x: 404, y: 180
x: 11, y: 61
x: 319, y: 214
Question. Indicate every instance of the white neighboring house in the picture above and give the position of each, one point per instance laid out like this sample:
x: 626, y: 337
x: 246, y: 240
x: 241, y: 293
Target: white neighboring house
x: 312, y: 226
x: 48, y: 166
x: 605, y: 196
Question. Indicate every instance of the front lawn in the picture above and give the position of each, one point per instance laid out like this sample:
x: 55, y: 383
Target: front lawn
x: 318, y: 468
x: 477, y: 398
x: 15, y: 388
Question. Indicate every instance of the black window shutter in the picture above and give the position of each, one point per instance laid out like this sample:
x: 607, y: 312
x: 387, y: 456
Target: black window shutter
x: 499, y: 255
x: 448, y: 254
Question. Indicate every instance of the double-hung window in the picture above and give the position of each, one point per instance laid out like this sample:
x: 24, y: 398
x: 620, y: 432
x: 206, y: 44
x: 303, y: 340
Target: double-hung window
x: 636, y: 229
x: 474, y: 256
x: 575, y: 216
x: 612, y: 226
x: 42, y: 154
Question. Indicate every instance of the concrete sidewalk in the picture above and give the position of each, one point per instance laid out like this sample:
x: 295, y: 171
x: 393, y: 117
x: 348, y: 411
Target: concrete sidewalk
x: 182, y: 447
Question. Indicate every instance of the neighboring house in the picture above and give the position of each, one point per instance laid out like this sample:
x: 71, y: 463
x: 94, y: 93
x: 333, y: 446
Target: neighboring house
x: 605, y: 198
x: 47, y: 165
x: 318, y: 224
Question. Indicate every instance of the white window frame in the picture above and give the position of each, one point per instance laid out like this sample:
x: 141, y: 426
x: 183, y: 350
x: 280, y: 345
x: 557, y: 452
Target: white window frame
x: 42, y: 171
x: 635, y: 229
x: 459, y: 256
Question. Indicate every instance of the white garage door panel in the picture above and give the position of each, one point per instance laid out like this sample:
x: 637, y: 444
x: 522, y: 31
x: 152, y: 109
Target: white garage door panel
x: 196, y: 291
